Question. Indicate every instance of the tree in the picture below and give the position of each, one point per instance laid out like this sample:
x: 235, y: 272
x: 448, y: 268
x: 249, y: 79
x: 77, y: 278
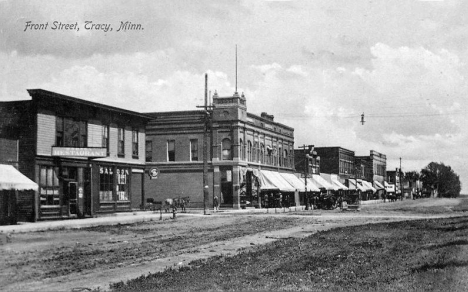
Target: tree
x: 441, y: 179
x: 411, y: 177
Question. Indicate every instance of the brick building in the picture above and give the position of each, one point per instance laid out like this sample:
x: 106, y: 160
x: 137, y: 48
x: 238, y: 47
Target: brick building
x: 337, y: 160
x: 86, y: 157
x: 243, y: 149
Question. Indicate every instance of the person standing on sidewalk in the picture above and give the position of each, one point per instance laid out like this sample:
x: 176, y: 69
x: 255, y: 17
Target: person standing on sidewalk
x: 216, y: 203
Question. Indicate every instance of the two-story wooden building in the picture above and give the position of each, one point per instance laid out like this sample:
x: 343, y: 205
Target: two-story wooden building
x: 86, y: 157
x: 244, y: 150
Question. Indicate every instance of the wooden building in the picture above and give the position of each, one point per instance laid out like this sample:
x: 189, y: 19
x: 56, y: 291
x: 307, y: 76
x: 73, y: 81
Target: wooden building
x: 86, y: 157
x: 243, y: 149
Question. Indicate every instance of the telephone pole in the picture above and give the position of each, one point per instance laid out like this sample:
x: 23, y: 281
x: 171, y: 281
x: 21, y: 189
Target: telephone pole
x: 206, y: 129
x: 401, y: 183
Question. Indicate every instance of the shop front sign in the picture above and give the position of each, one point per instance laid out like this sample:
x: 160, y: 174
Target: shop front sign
x: 79, y: 152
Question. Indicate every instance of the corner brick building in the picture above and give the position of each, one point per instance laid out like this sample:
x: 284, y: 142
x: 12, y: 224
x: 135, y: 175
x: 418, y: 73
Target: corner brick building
x: 243, y: 149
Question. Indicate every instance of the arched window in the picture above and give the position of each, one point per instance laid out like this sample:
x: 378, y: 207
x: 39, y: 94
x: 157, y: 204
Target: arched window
x: 262, y: 153
x: 226, y: 149
x: 280, y: 156
x: 286, y: 158
x: 255, y: 152
x: 275, y: 156
x: 249, y: 151
x: 241, y: 146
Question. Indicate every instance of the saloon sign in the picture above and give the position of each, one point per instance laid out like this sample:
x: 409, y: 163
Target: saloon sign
x: 79, y: 152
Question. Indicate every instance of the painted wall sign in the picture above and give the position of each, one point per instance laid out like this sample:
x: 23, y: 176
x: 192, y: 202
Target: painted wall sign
x: 79, y: 152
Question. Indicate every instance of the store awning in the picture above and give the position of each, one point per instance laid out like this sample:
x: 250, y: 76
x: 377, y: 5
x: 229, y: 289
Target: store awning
x: 368, y: 185
x: 352, y: 185
x: 293, y: 181
x: 12, y: 179
x: 330, y: 179
x: 322, y: 183
x: 378, y: 185
x: 275, y: 179
x: 337, y: 182
x: 299, y: 183
x: 266, y: 183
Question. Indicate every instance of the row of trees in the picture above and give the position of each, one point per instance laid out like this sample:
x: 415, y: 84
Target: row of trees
x: 437, y: 177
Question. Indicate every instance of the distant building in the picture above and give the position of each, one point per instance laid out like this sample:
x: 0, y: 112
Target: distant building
x: 337, y: 160
x: 240, y: 147
x: 375, y: 166
x: 393, y: 178
x: 87, y: 158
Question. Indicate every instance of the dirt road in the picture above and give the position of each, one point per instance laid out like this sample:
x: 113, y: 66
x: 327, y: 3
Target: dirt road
x: 67, y: 260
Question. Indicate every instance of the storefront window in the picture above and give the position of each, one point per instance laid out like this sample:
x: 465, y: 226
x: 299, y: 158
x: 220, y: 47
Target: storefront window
x: 106, y: 181
x: 49, y: 185
x: 122, y: 184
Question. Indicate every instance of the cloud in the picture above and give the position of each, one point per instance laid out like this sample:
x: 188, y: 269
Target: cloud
x: 181, y: 90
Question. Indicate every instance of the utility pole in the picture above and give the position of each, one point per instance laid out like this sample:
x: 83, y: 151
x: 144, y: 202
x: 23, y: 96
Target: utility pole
x: 308, y: 153
x: 205, y: 151
x: 206, y: 128
x: 401, y: 185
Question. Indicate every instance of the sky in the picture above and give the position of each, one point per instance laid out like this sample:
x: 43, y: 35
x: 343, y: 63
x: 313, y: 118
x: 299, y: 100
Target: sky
x: 315, y: 65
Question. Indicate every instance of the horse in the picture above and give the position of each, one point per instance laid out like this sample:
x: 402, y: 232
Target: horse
x: 391, y: 197
x: 169, y: 203
x: 176, y: 203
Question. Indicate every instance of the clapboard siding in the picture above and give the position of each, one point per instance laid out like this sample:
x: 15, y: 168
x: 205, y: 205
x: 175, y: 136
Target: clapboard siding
x: 45, y: 133
x: 94, y: 135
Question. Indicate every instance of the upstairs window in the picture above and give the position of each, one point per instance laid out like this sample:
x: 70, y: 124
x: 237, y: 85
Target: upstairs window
x: 194, y: 150
x: 105, y: 136
x: 135, y: 143
x: 70, y: 133
x: 171, y: 150
x: 149, y: 151
x: 121, y: 142
x: 226, y: 149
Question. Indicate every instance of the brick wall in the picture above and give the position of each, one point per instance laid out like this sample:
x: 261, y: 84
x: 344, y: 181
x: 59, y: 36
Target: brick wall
x: 179, y: 184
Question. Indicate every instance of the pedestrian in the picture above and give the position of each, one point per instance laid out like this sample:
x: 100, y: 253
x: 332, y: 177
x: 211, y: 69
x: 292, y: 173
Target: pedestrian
x: 216, y: 203
x: 280, y: 200
x: 265, y: 200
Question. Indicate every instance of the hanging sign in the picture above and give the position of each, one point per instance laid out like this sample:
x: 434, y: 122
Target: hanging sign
x: 153, y: 173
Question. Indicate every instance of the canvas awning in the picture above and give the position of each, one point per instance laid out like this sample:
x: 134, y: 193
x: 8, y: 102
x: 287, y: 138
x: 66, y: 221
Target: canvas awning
x: 336, y: 182
x: 275, y: 179
x: 322, y: 183
x: 378, y: 185
x: 298, y: 183
x: 368, y: 185
x: 12, y: 179
x: 352, y: 185
x: 328, y: 178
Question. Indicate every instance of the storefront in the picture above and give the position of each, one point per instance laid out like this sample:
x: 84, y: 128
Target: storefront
x: 87, y: 158
x: 16, y: 191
